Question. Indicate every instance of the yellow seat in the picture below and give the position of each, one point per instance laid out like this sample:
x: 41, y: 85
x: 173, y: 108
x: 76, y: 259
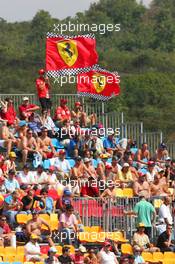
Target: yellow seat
x: 101, y: 237
x: 118, y: 192
x: 147, y: 256
x: 158, y: 256
x: 96, y: 229
x: 126, y: 249
x: 20, y: 250
x: 84, y: 236
x: 118, y: 237
x: 87, y: 229
x: 128, y: 192
x: 19, y: 258
x: 1, y: 251
x: 8, y: 258
x: 59, y: 249
x: 169, y: 255
x: 9, y: 251
x: 28, y: 262
x: 39, y: 262
x: 45, y: 217
x: 21, y: 218
x: 168, y: 261
x: 54, y: 222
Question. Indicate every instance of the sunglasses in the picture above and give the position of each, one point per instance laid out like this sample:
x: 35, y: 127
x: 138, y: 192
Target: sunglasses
x: 3, y: 219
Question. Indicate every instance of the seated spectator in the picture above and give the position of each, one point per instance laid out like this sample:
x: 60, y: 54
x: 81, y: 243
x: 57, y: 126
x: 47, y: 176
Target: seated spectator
x: 106, y: 255
x: 26, y: 177
x: 65, y: 200
x: 110, y: 191
x: 101, y: 165
x: 32, y: 249
x: 8, y: 112
x: 157, y: 189
x: 46, y: 203
x: 88, y: 169
x: 79, y: 255
x: 74, y: 147
x: 89, y: 188
x: 47, y: 122
x: 9, y: 164
x: 65, y: 258
x: 165, y: 216
x: 45, y: 145
x: 161, y: 153
x: 62, y: 113
x: 138, y: 259
x: 162, y: 178
x: 151, y: 171
x: 91, y: 257
x: 34, y: 124
x: 133, y: 169
x: 5, y: 232
x: 77, y: 171
x: 62, y: 164
x: 28, y: 201
x: 125, y: 175
x: 28, y: 146
x: 52, y: 259
x: 53, y: 181
x: 21, y: 131
x: 109, y: 144
x: 164, y: 241
x: 26, y: 109
x: 142, y: 240
x: 34, y: 226
x: 12, y: 205
x: 141, y: 186
x: 11, y: 184
x: 7, y: 139
x: 143, y: 155
x: 41, y: 177
x: 68, y: 225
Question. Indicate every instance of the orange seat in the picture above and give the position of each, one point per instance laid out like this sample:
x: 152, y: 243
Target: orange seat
x: 21, y: 218
x: 128, y: 192
x: 118, y: 192
x: 126, y: 249
x: 158, y: 256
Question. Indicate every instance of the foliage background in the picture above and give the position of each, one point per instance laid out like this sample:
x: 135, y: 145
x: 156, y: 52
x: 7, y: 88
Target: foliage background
x: 143, y: 52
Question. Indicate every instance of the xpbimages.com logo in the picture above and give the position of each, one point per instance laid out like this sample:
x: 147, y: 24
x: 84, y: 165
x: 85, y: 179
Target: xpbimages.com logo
x: 93, y: 28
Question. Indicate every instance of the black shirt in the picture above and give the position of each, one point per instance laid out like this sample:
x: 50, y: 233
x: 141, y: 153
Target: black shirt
x: 65, y: 260
x: 164, y: 237
x: 26, y: 201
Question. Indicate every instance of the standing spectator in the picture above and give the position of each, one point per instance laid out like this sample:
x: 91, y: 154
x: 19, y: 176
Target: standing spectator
x: 43, y: 89
x: 26, y: 109
x: 32, y: 249
x: 106, y: 256
x: 65, y: 258
x: 165, y: 217
x: 164, y: 240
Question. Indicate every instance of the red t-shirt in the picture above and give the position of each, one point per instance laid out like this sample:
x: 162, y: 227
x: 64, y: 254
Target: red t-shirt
x: 6, y: 229
x: 78, y: 259
x: 62, y: 113
x: 23, y: 108
x: 91, y: 191
x: 10, y: 115
x: 42, y: 93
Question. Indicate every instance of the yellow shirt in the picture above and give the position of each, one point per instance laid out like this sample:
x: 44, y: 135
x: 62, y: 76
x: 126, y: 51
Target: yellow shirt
x: 125, y: 177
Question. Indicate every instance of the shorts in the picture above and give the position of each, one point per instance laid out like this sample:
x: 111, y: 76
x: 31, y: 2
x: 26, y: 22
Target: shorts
x: 45, y: 103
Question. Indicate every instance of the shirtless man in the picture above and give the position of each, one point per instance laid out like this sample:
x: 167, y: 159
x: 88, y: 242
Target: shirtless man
x: 161, y: 153
x: 78, y: 113
x: 34, y: 226
x: 157, y: 189
x: 44, y: 142
x: 28, y: 145
x: 6, y: 138
x: 143, y: 154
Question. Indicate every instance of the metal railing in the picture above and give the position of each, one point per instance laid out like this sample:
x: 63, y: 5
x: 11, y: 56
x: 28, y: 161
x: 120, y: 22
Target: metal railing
x: 132, y: 130
x: 171, y: 149
x: 153, y: 139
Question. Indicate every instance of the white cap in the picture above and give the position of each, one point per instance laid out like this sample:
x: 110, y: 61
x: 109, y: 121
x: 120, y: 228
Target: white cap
x: 125, y: 164
x: 25, y: 98
x: 168, y: 158
x: 53, y: 249
x: 82, y: 249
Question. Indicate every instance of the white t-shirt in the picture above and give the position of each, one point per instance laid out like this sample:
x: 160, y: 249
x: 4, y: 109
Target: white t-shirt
x: 107, y: 258
x: 62, y: 165
x: 32, y: 248
x: 164, y: 212
x: 43, y: 177
x: 26, y: 179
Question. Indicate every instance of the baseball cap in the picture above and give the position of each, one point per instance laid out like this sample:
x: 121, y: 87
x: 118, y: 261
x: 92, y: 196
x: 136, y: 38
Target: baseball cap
x: 141, y: 225
x: 141, y: 173
x: 78, y: 158
x: 52, y: 168
x: 104, y: 156
x: 151, y: 163
x: 67, y: 192
x: 125, y: 165
x: 77, y: 103
x: 53, y: 249
x: 61, y: 152
x: 160, y: 170
x: 82, y: 249
x: 86, y: 160
x: 26, y: 166
x: 35, y: 212
x: 108, y: 166
x: 34, y: 236
x: 25, y: 98
x: 106, y: 244
x: 1, y: 158
x: 12, y: 171
x: 63, y: 101
x: 163, y: 146
x: 22, y: 123
x: 41, y: 71
x: 168, y: 158
x: 12, y: 154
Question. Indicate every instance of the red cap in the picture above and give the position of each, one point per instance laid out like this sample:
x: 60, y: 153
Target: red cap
x: 77, y: 103
x: 63, y: 101
x: 52, y: 168
x: 140, y: 173
x: 106, y: 243
x: 62, y: 151
x: 108, y: 166
x: 151, y: 163
x: 41, y: 71
x: 1, y: 158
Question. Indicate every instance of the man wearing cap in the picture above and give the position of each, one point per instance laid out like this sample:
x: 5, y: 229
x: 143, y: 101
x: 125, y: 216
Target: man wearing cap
x: 9, y: 164
x: 62, y: 164
x: 52, y: 259
x: 79, y: 255
x: 32, y: 249
x: 161, y: 153
x: 151, y: 171
x: 105, y: 256
x: 43, y: 89
x: 125, y: 175
x: 62, y: 112
x: 65, y: 258
x: 26, y: 109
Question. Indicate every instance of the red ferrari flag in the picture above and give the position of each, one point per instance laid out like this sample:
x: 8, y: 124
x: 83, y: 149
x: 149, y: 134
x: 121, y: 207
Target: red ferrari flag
x: 70, y: 55
x: 99, y: 84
